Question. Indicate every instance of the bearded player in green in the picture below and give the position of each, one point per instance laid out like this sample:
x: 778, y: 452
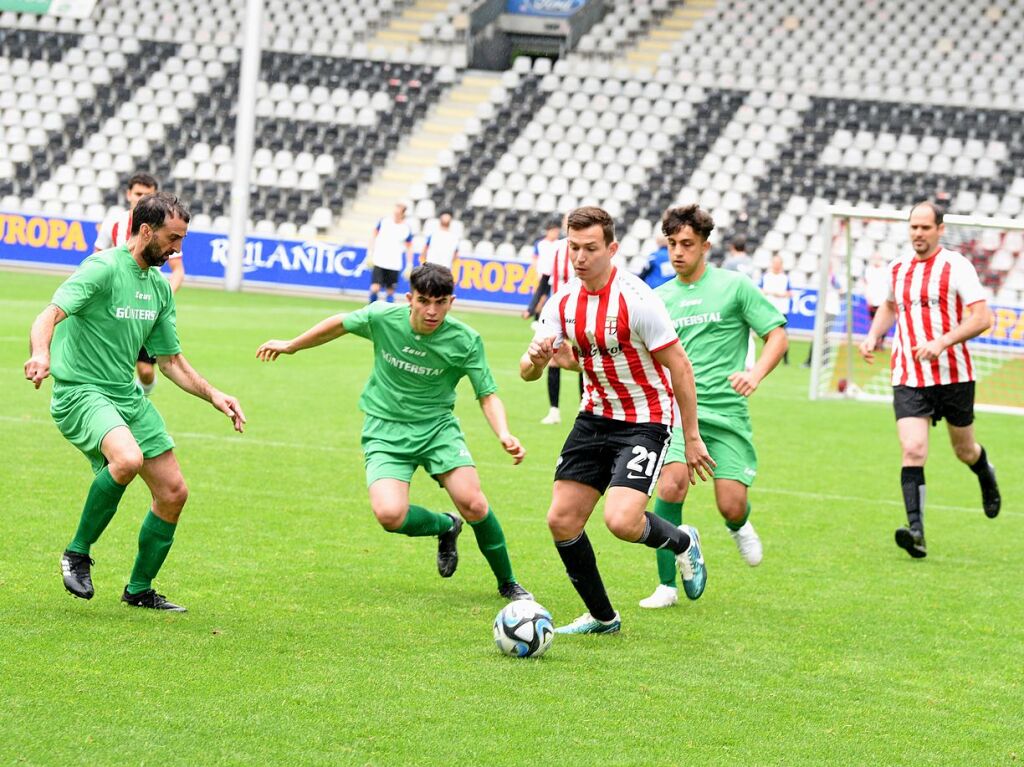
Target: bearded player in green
x: 420, y: 354
x: 714, y: 311
x: 115, y: 303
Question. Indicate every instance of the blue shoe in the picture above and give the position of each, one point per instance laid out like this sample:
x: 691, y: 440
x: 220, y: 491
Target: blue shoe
x: 587, y: 624
x: 691, y: 565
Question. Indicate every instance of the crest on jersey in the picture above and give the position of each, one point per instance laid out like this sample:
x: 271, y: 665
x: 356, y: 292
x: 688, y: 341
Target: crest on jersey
x: 611, y: 326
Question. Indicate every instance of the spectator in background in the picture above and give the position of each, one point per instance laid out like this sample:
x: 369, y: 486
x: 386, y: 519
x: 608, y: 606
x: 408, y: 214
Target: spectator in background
x: 876, y: 287
x: 390, y: 237
x: 658, y: 269
x: 544, y: 262
x: 738, y: 260
x: 775, y: 286
x: 442, y: 244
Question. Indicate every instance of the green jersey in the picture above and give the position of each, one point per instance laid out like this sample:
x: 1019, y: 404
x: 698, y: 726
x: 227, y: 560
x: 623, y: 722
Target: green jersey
x: 713, y: 318
x: 415, y: 374
x: 113, y: 308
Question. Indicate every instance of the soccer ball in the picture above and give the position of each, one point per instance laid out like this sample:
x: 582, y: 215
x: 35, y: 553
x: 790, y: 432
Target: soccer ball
x: 523, y: 629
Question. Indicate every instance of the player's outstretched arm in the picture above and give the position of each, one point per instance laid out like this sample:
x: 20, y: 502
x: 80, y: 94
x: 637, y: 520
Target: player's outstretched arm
x: 775, y: 345
x: 321, y: 333
x: 178, y: 369
x: 494, y: 412
x: 699, y: 461
x: 37, y: 368
x: 884, y: 319
x: 536, y: 358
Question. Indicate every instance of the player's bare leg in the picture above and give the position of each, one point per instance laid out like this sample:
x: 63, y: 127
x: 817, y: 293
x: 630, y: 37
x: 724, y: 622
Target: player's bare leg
x: 463, y: 487
x: 971, y: 453
x: 731, y: 496
x: 162, y: 474
x: 389, y: 501
x: 146, y: 374
x: 124, y: 460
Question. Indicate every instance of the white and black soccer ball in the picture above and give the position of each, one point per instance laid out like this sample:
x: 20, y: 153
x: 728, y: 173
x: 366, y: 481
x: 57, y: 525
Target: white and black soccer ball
x: 523, y: 629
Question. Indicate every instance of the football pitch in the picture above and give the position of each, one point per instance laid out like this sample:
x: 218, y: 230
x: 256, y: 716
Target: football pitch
x: 313, y: 637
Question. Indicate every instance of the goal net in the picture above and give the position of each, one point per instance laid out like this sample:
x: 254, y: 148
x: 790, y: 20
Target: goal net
x: 858, y: 243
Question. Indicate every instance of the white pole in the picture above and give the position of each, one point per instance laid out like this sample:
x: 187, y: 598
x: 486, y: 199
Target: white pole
x: 817, y: 356
x: 245, y: 129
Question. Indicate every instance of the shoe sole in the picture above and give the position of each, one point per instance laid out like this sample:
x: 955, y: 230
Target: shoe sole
x: 906, y: 542
x: 658, y: 607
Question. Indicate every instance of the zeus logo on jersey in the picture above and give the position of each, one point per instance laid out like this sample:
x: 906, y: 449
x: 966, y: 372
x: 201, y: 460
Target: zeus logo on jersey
x: 131, y: 313
x: 416, y: 352
x: 143, y: 296
x: 691, y: 302
x: 698, y: 319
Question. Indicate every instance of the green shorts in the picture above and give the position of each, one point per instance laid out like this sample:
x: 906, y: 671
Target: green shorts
x: 393, y: 449
x: 85, y: 414
x: 730, y: 442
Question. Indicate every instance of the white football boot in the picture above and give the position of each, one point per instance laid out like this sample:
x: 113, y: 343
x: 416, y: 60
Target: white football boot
x: 663, y: 596
x: 749, y: 544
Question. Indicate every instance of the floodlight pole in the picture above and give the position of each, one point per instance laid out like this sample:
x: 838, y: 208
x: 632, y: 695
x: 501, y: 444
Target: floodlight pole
x: 245, y: 130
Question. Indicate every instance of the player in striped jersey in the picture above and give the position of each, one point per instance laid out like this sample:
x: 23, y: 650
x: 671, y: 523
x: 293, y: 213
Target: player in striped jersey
x: 114, y: 231
x: 932, y: 374
x: 621, y: 337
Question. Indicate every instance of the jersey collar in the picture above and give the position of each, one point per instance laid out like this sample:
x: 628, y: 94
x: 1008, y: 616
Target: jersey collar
x: 603, y: 291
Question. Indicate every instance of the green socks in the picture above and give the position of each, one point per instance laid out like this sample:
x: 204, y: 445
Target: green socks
x: 155, y: 539
x: 491, y: 540
x: 671, y: 512
x: 419, y: 522
x: 100, y: 506
x: 734, y: 526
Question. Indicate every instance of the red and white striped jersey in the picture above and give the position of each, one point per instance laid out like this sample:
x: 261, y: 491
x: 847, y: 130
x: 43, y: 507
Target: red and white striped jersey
x: 613, y: 333
x: 561, y: 270
x: 115, y: 230
x: 930, y: 297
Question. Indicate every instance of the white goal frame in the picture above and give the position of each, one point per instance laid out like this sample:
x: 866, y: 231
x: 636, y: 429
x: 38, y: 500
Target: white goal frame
x: 824, y: 273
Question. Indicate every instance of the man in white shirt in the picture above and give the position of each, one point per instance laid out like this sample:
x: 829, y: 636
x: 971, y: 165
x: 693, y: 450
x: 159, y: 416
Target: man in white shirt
x: 391, y: 237
x: 442, y: 244
x: 775, y: 286
x: 544, y: 262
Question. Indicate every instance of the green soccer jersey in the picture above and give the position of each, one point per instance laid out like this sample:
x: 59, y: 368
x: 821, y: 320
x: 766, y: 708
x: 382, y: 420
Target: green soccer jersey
x: 713, y: 318
x: 113, y: 309
x: 415, y: 374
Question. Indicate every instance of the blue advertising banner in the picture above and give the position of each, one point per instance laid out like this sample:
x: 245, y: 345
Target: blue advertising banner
x: 50, y: 241
x: 63, y: 242
x: 554, y: 8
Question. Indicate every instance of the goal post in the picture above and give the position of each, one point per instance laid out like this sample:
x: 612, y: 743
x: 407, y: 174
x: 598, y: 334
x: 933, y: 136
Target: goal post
x: 855, y: 242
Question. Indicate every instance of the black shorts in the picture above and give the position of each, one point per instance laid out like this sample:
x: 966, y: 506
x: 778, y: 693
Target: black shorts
x: 144, y: 356
x: 600, y: 452
x: 387, y: 278
x: 954, y: 402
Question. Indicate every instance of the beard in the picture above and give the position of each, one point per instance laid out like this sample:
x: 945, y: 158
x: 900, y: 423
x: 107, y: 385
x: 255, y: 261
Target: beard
x: 153, y: 256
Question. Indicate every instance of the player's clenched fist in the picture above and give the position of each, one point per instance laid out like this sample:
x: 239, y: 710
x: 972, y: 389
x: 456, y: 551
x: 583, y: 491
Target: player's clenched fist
x: 540, y: 351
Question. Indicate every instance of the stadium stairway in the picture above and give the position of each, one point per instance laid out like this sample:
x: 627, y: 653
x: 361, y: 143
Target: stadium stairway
x: 664, y: 32
x: 415, y: 162
x: 403, y: 31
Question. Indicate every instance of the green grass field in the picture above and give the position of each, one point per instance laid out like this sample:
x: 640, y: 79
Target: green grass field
x: 315, y: 638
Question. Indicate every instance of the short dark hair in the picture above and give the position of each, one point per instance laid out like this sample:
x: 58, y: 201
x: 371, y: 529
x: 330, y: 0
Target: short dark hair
x: 553, y: 224
x: 586, y: 217
x: 432, y: 280
x: 938, y: 210
x: 142, y: 179
x: 739, y: 242
x: 692, y: 216
x: 154, y: 209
